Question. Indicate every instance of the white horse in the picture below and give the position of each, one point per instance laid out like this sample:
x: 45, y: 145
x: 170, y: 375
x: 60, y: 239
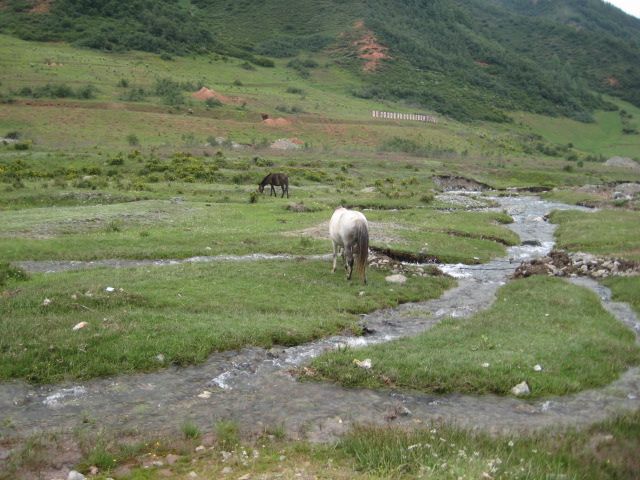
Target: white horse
x: 349, y: 230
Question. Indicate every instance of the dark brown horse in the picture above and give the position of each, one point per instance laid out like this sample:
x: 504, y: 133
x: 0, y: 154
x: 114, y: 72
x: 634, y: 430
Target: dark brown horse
x: 275, y: 180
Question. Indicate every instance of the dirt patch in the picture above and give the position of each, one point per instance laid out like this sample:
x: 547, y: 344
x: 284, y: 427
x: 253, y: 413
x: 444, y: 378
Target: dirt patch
x: 205, y: 94
x: 47, y: 456
x: 287, y: 144
x: 277, y: 122
x: 368, y: 48
x: 449, y: 183
x: 623, y: 162
x: 41, y: 6
x: 612, y: 81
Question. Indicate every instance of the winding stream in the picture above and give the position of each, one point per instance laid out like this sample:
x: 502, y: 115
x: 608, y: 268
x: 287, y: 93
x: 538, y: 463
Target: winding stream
x: 253, y: 387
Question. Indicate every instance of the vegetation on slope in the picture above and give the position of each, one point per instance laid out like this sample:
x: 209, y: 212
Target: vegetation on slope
x: 465, y: 59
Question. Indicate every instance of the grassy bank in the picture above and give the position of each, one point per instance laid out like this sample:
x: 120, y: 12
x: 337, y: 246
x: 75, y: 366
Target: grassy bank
x: 536, y: 321
x: 606, y: 232
x: 625, y: 289
x: 607, y: 450
x: 183, y: 312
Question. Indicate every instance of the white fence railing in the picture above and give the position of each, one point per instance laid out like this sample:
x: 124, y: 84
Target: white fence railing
x: 417, y: 117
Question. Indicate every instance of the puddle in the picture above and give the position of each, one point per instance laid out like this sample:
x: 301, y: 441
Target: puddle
x: 254, y: 388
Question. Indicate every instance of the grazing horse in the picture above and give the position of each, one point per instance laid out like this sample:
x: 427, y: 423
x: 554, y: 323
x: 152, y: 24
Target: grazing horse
x: 349, y: 230
x: 275, y: 179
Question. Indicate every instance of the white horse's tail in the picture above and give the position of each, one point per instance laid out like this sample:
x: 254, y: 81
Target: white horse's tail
x: 362, y: 240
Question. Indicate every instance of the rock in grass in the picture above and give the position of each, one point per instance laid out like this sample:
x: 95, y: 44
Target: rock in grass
x: 73, y: 475
x: 80, y: 325
x: 366, y: 363
x: 521, y: 389
x: 397, y: 278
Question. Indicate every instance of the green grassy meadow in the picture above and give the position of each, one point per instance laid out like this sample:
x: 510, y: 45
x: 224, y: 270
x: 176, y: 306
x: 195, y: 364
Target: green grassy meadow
x: 519, y: 331
x: 183, y: 312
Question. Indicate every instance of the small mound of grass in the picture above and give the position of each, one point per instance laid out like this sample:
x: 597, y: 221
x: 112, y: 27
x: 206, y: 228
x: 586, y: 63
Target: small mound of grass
x: 625, y: 289
x: 538, y: 320
x: 9, y: 272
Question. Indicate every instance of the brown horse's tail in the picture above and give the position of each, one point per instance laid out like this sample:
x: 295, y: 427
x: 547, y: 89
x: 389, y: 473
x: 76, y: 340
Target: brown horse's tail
x: 362, y: 237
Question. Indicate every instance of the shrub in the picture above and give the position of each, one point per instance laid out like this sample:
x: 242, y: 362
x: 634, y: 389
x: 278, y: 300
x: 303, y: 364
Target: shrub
x: 212, y: 103
x: 264, y: 62
x: 21, y: 146
x: 9, y: 272
x: 117, y: 160
x: 295, y: 90
x: 427, y: 197
x: 134, y: 94
x: 87, y: 92
x: 190, y: 430
x: 227, y: 434
x: 262, y: 162
x: 133, y: 140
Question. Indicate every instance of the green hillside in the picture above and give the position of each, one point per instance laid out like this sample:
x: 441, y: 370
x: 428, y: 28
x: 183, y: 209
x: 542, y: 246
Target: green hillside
x: 467, y: 59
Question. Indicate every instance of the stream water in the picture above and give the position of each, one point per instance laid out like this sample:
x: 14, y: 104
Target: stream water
x: 254, y: 387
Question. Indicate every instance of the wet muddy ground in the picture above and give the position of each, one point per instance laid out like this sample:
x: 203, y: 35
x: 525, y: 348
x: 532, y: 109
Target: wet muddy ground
x: 255, y: 388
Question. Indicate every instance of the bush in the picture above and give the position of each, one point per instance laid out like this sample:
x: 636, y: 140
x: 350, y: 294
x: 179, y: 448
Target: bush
x: 133, y: 140
x: 21, y: 146
x: 134, y: 94
x: 87, y: 92
x: 212, y: 103
x: 264, y: 62
x: 58, y: 91
x: 427, y: 197
x: 9, y: 272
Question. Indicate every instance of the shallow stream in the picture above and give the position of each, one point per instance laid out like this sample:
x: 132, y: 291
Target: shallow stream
x: 254, y: 387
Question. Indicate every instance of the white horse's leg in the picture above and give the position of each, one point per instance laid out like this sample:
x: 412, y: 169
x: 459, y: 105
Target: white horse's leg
x: 335, y: 256
x: 348, y: 265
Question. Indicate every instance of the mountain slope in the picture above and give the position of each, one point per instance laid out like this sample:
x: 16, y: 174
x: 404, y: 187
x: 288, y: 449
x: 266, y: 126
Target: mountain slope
x: 469, y: 59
